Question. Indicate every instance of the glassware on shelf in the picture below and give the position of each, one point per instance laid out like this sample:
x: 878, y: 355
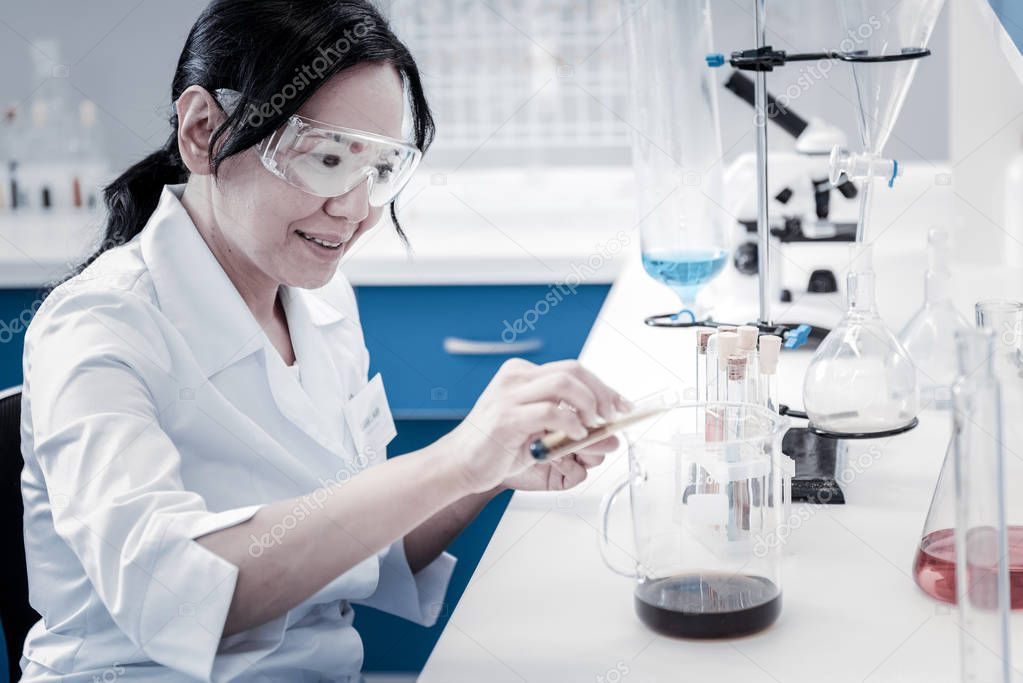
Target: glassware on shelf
x: 929, y: 336
x: 676, y: 145
x: 860, y: 382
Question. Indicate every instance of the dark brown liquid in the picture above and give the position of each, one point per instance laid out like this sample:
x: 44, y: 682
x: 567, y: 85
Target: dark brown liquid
x: 708, y: 605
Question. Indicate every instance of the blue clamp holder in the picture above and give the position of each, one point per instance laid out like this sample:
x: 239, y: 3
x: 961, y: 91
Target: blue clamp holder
x: 797, y: 337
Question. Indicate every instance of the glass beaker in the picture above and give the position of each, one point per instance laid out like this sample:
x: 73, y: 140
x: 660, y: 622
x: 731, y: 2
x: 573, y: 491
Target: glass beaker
x: 707, y: 520
x: 676, y: 144
x: 860, y: 381
x: 989, y: 369
x: 929, y: 336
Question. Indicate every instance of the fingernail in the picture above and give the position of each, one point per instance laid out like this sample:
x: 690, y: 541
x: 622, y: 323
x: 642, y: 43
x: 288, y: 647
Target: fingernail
x: 623, y: 404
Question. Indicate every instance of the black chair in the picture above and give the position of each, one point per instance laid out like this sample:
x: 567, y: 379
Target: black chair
x: 16, y: 615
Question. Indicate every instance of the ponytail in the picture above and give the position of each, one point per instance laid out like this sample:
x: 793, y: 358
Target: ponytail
x: 132, y: 198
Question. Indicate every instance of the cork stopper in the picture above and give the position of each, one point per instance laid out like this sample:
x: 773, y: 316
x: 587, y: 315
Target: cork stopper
x: 727, y: 328
x: 770, y: 349
x: 702, y: 337
x: 736, y: 367
x: 748, y: 337
x: 727, y: 342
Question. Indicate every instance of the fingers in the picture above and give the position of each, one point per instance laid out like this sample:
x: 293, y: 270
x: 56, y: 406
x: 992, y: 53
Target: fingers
x: 603, y: 446
x: 569, y: 469
x: 560, y: 386
x: 546, y: 416
x: 609, y: 401
x: 589, y: 460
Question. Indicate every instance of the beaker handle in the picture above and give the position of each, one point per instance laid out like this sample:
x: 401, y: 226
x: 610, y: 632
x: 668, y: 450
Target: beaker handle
x: 605, y: 515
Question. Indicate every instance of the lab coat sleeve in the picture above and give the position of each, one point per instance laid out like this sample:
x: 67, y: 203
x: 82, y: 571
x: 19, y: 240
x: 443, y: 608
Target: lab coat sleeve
x: 113, y: 479
x: 417, y: 597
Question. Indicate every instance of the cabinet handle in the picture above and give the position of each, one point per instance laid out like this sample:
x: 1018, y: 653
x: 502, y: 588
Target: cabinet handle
x: 457, y: 346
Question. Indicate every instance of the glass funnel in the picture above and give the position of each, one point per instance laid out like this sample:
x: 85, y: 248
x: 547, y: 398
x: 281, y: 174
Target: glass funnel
x: 860, y: 382
x: 676, y: 144
x: 889, y: 37
x: 883, y: 27
x: 929, y: 336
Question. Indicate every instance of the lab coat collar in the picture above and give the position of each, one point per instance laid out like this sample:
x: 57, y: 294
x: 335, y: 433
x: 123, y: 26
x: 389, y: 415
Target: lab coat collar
x: 196, y: 294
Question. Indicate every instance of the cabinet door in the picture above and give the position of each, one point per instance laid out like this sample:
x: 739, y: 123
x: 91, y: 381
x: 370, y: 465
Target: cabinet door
x: 438, y: 346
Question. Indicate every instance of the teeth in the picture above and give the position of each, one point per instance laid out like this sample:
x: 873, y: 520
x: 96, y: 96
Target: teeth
x: 322, y: 243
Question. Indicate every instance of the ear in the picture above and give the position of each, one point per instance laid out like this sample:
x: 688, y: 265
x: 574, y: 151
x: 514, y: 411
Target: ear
x: 199, y: 115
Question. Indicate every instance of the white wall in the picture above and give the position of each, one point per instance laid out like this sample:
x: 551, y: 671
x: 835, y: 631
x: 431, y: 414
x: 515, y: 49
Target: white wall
x: 122, y: 53
x: 986, y: 99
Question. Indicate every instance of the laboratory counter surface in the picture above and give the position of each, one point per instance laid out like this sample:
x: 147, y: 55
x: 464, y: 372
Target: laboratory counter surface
x: 542, y: 607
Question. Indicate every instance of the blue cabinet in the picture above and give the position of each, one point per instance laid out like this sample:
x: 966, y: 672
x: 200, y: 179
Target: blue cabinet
x: 437, y: 348
x: 17, y: 306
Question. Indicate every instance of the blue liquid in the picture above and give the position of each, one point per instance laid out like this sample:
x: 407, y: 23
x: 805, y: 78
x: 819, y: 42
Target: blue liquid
x: 685, y: 271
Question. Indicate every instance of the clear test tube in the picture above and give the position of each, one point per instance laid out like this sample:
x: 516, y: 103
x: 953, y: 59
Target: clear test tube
x: 711, y: 393
x: 770, y: 350
x: 703, y: 335
x: 748, y: 347
x: 723, y: 344
x: 736, y: 387
x: 739, y: 490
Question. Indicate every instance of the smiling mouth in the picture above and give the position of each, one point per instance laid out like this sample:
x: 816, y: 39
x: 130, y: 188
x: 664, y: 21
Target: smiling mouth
x: 317, y: 240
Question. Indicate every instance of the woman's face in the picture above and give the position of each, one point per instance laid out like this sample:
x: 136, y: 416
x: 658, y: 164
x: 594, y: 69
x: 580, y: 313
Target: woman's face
x: 268, y: 222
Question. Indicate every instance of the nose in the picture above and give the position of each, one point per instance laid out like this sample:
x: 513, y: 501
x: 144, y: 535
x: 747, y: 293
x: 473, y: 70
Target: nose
x: 353, y: 205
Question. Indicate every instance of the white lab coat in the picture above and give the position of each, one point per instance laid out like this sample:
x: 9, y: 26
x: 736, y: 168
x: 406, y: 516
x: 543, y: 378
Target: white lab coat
x: 155, y: 410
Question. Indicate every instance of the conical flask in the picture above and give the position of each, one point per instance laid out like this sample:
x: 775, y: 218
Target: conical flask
x: 929, y: 336
x: 860, y: 382
x: 988, y: 396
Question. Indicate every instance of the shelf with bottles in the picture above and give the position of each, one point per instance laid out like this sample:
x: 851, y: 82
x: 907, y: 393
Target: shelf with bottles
x: 52, y: 155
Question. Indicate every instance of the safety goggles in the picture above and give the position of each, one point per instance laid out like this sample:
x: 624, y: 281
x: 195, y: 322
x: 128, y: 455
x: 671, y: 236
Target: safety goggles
x: 328, y: 161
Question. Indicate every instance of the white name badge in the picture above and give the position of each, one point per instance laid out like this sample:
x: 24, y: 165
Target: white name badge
x: 369, y: 419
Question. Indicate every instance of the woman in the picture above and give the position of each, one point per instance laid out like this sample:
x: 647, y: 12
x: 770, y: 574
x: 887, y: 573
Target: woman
x: 206, y: 490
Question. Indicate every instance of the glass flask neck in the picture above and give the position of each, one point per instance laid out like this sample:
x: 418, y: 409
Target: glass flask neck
x: 860, y: 283
x: 937, y: 288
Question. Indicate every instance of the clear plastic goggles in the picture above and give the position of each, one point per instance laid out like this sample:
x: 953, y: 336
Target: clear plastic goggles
x: 328, y: 161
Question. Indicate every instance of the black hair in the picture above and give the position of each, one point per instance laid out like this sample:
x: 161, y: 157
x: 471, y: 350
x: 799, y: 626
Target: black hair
x: 275, y: 54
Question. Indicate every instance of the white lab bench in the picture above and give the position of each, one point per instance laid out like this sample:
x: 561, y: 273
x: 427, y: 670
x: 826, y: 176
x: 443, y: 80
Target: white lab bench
x: 541, y: 606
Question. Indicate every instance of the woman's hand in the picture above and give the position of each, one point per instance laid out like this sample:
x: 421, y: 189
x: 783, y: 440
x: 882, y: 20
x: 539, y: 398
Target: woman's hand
x: 522, y: 402
x: 563, y: 473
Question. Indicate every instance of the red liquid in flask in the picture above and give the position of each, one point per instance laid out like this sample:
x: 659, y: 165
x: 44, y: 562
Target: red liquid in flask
x: 935, y: 566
